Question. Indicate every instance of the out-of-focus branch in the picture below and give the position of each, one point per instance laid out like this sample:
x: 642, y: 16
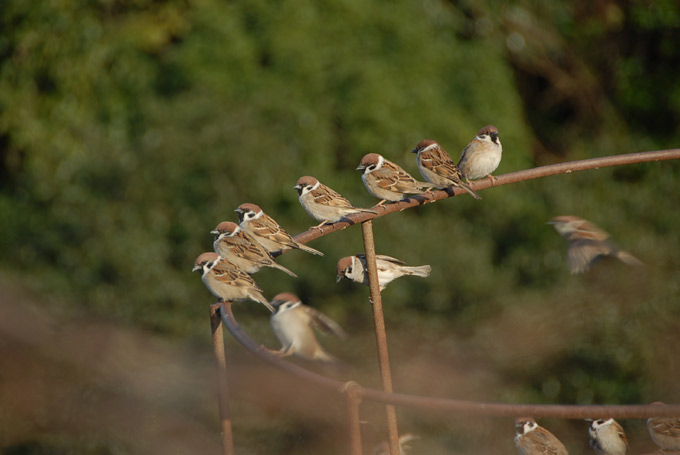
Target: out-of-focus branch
x: 446, y: 404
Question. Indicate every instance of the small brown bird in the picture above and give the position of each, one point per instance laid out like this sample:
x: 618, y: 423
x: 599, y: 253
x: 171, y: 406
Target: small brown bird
x: 438, y: 168
x: 267, y: 231
x: 226, y: 281
x: 239, y: 247
x: 482, y: 155
x: 664, y: 431
x: 587, y: 243
x: 387, y: 181
x: 354, y: 268
x: 294, y: 322
x: 607, y: 437
x: 533, y: 439
x: 322, y: 203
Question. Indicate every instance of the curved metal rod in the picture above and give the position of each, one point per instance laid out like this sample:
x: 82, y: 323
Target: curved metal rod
x: 444, y: 404
x: 447, y: 404
x: 513, y: 177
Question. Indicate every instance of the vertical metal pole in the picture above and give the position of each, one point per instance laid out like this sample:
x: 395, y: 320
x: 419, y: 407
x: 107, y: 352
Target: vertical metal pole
x: 380, y: 333
x: 222, y: 386
x: 353, y: 425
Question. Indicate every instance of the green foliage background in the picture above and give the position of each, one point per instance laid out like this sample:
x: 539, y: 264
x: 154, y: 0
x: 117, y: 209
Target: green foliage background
x: 130, y: 128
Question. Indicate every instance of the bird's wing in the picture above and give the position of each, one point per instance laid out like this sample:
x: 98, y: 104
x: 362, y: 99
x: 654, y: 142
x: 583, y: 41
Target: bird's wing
x: 327, y: 196
x: 323, y: 323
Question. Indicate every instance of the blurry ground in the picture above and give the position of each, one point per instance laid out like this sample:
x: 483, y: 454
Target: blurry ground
x: 81, y: 385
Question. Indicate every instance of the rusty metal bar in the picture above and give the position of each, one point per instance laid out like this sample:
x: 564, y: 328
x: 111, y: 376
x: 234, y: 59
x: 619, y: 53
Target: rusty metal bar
x: 222, y: 385
x: 353, y: 399
x: 380, y: 333
x: 448, y: 404
x: 513, y: 177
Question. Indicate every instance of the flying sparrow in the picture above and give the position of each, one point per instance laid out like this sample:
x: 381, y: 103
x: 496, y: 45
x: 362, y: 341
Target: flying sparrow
x: 533, y: 439
x: 226, y: 281
x: 294, y: 323
x: 607, y: 437
x: 267, y: 231
x: 587, y: 243
x: 239, y: 247
x: 438, y: 168
x: 482, y: 155
x: 665, y: 431
x: 354, y: 268
x: 322, y: 203
x: 386, y: 180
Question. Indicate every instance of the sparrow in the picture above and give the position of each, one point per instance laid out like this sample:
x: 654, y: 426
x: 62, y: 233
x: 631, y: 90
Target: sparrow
x: 587, y: 243
x: 322, y: 203
x: 354, y: 268
x: 294, y: 322
x: 533, y: 439
x: 267, y: 231
x: 482, y: 155
x: 607, y: 437
x: 665, y: 431
x: 437, y: 167
x: 387, y: 181
x: 226, y: 281
x: 239, y: 247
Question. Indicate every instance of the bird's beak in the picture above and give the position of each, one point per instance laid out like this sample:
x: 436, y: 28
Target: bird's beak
x: 215, y: 232
x: 338, y: 278
x: 239, y: 211
x: 414, y: 150
x: 196, y: 267
x: 551, y: 222
x: 360, y: 167
x: 494, y: 137
x: 296, y: 187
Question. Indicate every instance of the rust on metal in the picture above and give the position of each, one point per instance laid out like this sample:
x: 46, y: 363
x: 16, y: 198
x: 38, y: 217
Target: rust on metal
x: 353, y: 399
x: 380, y: 334
x: 222, y: 385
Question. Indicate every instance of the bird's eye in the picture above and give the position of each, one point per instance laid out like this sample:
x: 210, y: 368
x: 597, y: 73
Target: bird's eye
x: 309, y: 187
x: 349, y: 270
x: 600, y: 421
x: 371, y: 167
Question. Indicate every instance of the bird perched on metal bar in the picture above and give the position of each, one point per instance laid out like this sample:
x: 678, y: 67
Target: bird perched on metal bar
x: 226, y: 281
x: 388, y: 181
x: 482, y: 155
x: 267, y: 231
x: 236, y: 245
x: 323, y: 203
x: 437, y: 167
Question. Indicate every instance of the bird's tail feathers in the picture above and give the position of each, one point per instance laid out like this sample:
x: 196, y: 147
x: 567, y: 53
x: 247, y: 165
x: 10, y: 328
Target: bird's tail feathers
x: 628, y: 258
x: 469, y: 190
x: 421, y: 270
x: 309, y: 249
x: 280, y: 267
x: 258, y: 297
